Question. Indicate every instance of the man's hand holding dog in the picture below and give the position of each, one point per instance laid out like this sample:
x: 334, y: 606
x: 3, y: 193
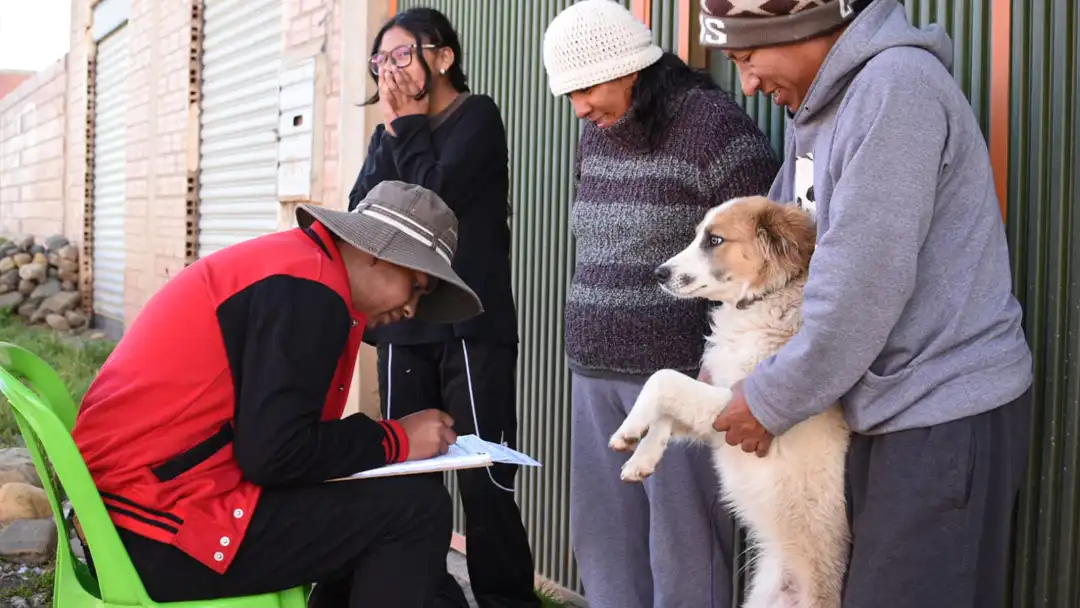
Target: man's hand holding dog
x: 741, y: 427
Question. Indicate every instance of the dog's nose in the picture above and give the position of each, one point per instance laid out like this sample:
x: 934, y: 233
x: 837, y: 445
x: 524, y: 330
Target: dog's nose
x: 662, y: 273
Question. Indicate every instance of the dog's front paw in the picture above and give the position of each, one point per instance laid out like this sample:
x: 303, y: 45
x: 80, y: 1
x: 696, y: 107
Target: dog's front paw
x: 625, y: 440
x: 637, y: 469
x: 621, y: 444
x: 648, y: 454
x: 635, y: 427
x: 631, y: 431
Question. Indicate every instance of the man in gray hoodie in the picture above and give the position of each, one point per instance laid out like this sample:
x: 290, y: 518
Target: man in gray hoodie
x: 909, y: 318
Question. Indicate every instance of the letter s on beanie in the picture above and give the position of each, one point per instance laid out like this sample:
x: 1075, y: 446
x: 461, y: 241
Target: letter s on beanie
x: 746, y: 24
x: 595, y: 41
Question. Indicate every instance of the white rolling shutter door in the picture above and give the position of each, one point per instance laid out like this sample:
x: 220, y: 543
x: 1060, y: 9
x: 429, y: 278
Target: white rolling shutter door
x: 242, y: 50
x: 110, y: 116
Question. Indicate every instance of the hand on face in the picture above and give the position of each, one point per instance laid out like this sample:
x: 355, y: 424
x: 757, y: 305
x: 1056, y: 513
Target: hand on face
x: 385, y: 105
x: 397, y: 94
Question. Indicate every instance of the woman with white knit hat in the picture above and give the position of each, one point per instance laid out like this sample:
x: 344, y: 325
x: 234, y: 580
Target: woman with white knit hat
x: 661, y: 144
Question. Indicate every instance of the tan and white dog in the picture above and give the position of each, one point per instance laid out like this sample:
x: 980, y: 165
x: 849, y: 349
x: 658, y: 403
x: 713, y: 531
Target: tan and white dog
x: 753, y: 255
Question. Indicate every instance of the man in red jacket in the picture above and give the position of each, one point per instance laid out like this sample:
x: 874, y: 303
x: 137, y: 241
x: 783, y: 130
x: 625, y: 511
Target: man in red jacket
x: 215, y: 428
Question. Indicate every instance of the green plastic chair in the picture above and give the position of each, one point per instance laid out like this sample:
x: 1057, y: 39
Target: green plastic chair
x: 46, y: 417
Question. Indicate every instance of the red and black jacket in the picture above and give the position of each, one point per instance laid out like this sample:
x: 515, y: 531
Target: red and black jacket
x: 233, y: 377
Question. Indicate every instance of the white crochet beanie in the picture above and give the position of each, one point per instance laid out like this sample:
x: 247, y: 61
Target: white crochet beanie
x: 595, y: 41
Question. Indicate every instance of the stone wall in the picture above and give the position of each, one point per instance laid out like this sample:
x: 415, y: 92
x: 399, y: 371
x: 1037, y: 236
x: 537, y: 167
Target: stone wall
x: 40, y: 282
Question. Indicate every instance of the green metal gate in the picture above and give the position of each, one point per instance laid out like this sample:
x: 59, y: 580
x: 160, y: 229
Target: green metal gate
x: 1044, y: 228
x: 502, y: 45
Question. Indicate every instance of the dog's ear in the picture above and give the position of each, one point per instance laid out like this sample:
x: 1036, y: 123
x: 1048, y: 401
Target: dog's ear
x: 786, y: 234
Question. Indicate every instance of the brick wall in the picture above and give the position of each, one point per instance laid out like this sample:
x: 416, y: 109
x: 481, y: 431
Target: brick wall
x: 32, y: 154
x: 44, y: 132
x: 157, y: 147
x: 313, y: 27
x: 331, y: 195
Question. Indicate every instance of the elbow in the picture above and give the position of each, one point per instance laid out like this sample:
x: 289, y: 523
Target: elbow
x: 258, y: 465
x: 257, y: 472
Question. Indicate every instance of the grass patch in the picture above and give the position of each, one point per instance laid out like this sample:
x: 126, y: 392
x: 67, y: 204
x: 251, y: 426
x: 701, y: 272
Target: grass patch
x: 32, y: 584
x: 75, y: 358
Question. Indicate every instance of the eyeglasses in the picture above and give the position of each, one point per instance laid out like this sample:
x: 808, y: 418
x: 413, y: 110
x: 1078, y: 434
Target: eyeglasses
x: 401, y: 56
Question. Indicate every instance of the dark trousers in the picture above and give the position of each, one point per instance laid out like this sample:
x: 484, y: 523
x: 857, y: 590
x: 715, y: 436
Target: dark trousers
x: 932, y: 511
x: 370, y: 542
x: 417, y: 377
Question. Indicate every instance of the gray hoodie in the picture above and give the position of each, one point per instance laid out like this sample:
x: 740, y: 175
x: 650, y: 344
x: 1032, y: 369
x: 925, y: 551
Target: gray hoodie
x: 909, y: 318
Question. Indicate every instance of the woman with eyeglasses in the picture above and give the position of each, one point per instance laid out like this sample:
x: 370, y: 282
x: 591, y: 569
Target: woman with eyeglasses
x: 439, y: 135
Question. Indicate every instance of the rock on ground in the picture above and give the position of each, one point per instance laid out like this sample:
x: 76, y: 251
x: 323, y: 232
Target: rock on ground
x: 28, y: 535
x: 11, y: 300
x: 17, y: 465
x: 39, y: 280
x: 56, y: 242
x: 49, y: 288
x: 61, y: 302
x: 22, y: 501
x: 30, y: 541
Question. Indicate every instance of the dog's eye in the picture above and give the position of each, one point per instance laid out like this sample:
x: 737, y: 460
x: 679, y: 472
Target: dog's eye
x: 715, y: 240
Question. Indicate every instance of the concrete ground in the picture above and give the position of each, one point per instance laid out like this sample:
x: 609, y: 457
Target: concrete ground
x: 458, y: 568
x: 455, y: 564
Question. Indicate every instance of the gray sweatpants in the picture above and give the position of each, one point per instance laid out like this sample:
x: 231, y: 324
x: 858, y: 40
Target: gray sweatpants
x: 665, y: 543
x: 931, y: 511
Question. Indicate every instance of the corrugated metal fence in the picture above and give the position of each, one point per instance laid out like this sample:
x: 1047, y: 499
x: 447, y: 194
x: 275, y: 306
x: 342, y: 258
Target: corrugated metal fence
x: 502, y: 56
x: 238, y: 117
x: 109, y: 166
x: 1044, y: 228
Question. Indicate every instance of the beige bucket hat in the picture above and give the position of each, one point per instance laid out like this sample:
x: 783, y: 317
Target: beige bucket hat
x: 410, y: 226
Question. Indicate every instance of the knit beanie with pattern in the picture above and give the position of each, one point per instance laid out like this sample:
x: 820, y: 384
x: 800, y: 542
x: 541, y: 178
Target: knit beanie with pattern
x: 747, y: 24
x: 595, y: 41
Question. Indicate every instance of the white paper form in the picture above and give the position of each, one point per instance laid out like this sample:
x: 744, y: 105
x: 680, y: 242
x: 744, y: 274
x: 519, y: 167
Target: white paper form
x: 469, y: 452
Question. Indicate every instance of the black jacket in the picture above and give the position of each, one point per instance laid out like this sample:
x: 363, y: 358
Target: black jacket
x: 460, y: 154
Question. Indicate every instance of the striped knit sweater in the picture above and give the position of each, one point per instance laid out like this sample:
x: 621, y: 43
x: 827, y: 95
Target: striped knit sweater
x: 634, y: 210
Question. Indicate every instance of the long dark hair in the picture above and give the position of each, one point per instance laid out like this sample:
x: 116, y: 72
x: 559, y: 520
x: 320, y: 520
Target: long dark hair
x: 427, y: 26
x: 657, y: 88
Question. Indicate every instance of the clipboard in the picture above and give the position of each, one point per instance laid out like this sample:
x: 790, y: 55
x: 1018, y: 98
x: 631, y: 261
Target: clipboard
x: 469, y: 452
